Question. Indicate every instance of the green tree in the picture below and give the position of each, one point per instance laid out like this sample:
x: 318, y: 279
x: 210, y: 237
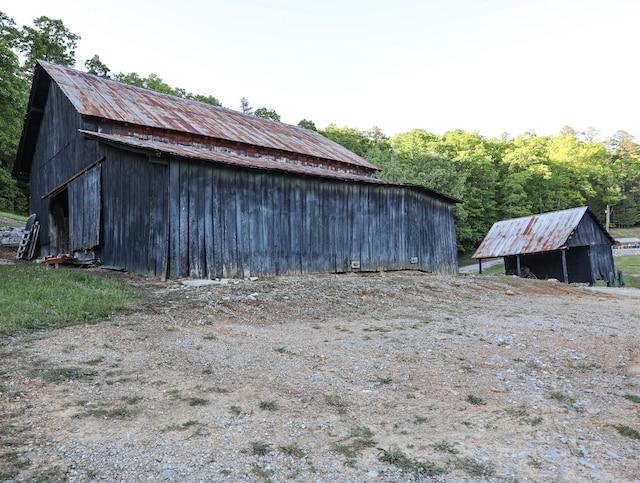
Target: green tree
x: 265, y: 113
x: 47, y: 40
x: 206, y: 99
x: 305, y: 123
x: 96, y: 67
x: 352, y: 139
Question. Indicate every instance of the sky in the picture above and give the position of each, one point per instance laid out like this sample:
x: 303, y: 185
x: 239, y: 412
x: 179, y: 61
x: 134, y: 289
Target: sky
x: 486, y: 66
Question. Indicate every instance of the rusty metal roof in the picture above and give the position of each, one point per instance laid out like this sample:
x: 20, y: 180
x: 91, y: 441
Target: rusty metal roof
x: 530, y: 234
x: 104, y: 98
x: 203, y: 154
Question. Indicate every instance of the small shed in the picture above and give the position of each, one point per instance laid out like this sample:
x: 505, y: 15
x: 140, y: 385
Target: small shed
x: 169, y: 187
x: 569, y: 245
x: 629, y: 242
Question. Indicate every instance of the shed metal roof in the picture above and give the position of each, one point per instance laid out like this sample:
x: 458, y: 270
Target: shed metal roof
x: 104, y: 98
x: 530, y: 234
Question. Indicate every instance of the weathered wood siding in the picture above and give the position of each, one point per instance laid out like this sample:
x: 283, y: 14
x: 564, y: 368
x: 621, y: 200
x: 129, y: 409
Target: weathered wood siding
x: 134, y: 212
x: 181, y: 218
x: 235, y: 223
x: 59, y: 154
x: 84, y: 197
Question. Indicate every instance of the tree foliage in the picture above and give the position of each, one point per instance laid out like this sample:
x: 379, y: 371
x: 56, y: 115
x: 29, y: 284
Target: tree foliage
x: 265, y: 113
x: 506, y: 178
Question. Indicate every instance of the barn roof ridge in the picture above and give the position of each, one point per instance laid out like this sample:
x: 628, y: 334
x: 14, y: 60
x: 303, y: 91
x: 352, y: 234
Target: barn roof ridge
x: 100, y: 97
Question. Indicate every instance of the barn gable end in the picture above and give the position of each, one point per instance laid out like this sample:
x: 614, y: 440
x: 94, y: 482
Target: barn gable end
x: 144, y: 182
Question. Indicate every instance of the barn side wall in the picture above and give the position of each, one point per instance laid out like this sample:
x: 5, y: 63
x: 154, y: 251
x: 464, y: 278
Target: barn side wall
x: 236, y: 223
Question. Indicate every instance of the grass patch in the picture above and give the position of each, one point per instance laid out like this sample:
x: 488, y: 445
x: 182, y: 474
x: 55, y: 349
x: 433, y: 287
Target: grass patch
x: 627, y: 431
x: 632, y: 398
x: 34, y: 298
x: 13, y: 216
x: 630, y: 266
x: 63, y: 374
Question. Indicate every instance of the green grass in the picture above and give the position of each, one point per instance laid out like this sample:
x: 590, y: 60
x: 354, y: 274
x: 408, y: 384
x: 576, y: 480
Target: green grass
x: 630, y: 266
x: 625, y: 232
x: 13, y: 216
x: 34, y: 298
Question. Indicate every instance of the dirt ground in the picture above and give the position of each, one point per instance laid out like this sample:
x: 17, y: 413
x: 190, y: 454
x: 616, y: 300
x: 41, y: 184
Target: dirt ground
x: 315, y: 378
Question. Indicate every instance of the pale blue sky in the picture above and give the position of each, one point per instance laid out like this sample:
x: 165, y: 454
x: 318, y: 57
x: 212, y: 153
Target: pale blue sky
x: 490, y: 66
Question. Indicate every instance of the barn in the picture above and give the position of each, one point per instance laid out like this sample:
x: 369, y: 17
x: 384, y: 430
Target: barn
x: 169, y: 187
x: 569, y: 245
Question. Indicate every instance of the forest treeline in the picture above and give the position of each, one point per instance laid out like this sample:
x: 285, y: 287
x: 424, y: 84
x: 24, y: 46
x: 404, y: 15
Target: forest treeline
x: 496, y: 178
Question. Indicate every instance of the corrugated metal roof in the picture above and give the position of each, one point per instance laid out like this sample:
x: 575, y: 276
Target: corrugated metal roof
x: 103, y: 98
x: 530, y: 234
x: 249, y: 162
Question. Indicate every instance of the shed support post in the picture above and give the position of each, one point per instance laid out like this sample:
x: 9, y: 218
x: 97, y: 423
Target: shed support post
x: 518, y: 266
x: 480, y: 266
x: 565, y: 272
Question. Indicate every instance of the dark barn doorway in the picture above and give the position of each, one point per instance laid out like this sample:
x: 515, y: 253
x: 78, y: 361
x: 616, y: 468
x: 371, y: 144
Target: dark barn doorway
x: 59, y: 222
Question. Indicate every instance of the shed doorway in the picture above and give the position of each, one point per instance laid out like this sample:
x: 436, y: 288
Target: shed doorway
x: 59, y: 223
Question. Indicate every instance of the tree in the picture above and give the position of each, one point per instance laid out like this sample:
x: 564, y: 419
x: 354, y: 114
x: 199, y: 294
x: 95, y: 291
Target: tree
x: 308, y: 125
x: 245, y: 108
x: 14, y: 91
x: 265, y: 113
x: 205, y: 99
x: 96, y: 67
x: 48, y: 40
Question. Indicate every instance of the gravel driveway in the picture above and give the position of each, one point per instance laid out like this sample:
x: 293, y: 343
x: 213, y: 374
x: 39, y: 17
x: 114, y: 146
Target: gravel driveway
x: 318, y: 378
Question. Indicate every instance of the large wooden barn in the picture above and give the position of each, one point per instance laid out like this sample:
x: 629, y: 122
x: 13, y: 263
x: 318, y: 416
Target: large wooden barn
x: 569, y: 245
x: 169, y: 187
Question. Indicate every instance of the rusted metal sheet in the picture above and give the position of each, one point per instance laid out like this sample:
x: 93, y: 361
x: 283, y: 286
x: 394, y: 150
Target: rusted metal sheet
x: 203, y: 154
x: 103, y: 98
x: 530, y: 234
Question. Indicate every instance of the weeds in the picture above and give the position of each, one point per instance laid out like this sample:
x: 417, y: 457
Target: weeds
x: 292, y: 450
x: 474, y: 468
x: 337, y: 402
x: 198, y: 401
x: 237, y: 410
x: 260, y: 448
x: 627, y: 431
x: 445, y: 447
x: 64, y: 374
x: 268, y: 405
x: 383, y: 380
x: 632, y: 398
x: 398, y: 458
x: 181, y: 427
x: 476, y: 400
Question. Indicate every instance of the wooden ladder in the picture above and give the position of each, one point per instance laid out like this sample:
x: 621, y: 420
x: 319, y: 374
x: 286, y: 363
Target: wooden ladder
x: 27, y: 245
